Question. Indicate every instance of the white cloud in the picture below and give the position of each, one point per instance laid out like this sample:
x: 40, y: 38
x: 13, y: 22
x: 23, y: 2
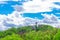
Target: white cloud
x: 18, y: 8
x: 48, y: 20
x: 30, y: 21
x: 3, y: 2
x: 40, y: 6
x: 30, y: 0
x: 51, y: 20
x: 37, y: 6
x: 14, y: 0
x: 15, y: 19
x: 55, y: 0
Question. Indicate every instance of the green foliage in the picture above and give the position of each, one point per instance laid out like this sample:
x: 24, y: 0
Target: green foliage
x: 8, y: 32
x: 44, y: 32
x: 45, y: 27
x: 12, y: 37
x: 57, y: 36
x: 1, y: 34
x: 26, y: 29
x: 37, y: 36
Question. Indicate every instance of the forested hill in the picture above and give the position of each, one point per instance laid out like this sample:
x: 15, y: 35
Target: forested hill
x: 42, y: 32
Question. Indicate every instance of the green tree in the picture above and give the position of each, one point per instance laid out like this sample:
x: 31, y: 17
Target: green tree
x: 12, y: 37
x: 57, y: 36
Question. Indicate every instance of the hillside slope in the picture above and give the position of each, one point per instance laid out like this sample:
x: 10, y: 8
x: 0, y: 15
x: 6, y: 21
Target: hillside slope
x: 42, y: 32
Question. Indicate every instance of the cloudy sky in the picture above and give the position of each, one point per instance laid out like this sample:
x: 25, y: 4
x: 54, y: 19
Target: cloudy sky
x: 15, y: 13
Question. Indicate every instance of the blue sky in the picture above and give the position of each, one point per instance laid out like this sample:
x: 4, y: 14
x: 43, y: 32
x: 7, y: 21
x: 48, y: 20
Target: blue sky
x: 7, y: 9
x: 21, y: 12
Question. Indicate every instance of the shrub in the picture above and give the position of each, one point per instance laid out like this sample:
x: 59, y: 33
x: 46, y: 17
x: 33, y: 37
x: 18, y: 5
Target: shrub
x: 12, y: 37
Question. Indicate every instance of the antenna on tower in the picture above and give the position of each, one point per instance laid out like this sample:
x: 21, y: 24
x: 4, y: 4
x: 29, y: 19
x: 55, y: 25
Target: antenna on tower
x: 36, y: 24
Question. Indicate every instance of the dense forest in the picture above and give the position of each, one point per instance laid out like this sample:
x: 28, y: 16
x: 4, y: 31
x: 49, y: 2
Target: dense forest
x: 42, y: 32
